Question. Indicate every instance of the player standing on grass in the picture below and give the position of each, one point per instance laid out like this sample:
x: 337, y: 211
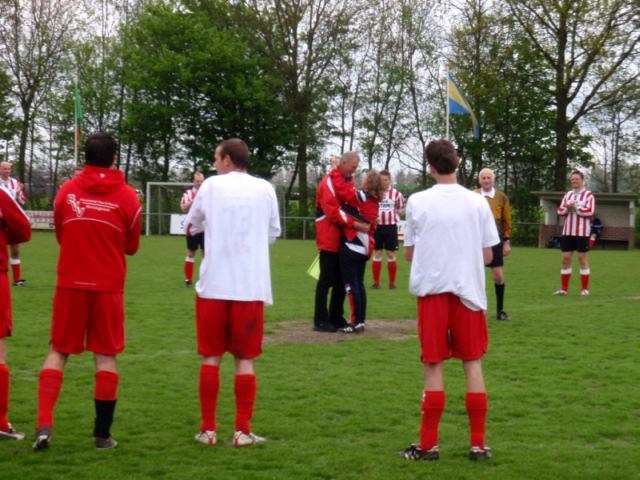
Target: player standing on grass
x: 14, y: 228
x: 97, y: 220
x: 193, y: 241
x: 330, y: 220
x: 577, y: 207
x: 239, y: 215
x: 448, y: 240
x: 16, y: 189
x: 499, y: 203
x: 386, y: 235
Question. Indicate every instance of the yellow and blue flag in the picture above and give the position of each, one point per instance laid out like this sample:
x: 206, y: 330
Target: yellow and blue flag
x: 458, y: 105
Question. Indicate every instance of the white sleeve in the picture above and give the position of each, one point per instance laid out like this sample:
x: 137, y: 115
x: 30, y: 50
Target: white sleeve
x: 409, y: 228
x: 274, y: 222
x: 194, y: 222
x: 489, y: 230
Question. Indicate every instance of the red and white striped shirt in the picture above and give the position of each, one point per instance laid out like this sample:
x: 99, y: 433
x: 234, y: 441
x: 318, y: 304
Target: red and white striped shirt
x: 187, y: 198
x: 12, y: 185
x: 390, y: 206
x: 577, y: 222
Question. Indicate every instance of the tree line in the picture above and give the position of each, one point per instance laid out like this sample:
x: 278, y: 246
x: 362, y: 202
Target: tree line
x: 551, y: 82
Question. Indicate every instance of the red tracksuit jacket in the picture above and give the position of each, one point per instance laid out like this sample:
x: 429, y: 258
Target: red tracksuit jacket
x: 97, y: 220
x: 15, y: 226
x: 329, y: 217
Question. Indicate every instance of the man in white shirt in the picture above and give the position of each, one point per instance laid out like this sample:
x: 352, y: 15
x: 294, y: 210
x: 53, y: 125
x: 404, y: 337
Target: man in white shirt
x: 449, y: 234
x: 239, y: 215
x: 16, y: 189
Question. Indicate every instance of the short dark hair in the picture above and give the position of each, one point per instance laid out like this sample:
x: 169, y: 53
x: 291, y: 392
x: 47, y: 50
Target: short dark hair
x: 100, y: 149
x: 237, y: 151
x: 577, y: 172
x: 385, y: 173
x: 442, y: 156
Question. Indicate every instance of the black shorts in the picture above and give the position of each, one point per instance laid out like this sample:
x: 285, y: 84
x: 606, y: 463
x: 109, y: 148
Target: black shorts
x: 569, y: 243
x: 498, y: 258
x: 195, y: 241
x: 386, y: 237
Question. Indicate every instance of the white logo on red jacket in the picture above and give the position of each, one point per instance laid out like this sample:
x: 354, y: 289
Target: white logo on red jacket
x: 75, y: 205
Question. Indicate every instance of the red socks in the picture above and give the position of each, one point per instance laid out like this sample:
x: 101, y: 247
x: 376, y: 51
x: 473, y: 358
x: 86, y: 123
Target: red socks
x: 48, y: 391
x: 432, y: 408
x: 376, y: 267
x: 208, y: 392
x: 347, y: 290
x: 584, y: 278
x: 106, y: 385
x: 15, y: 269
x: 188, y: 268
x: 476, y: 404
x: 565, y: 275
x: 245, y: 390
x: 392, y: 267
x: 4, y: 397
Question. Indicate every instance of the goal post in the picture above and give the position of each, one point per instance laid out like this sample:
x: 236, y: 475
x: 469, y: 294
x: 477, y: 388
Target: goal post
x: 162, y: 200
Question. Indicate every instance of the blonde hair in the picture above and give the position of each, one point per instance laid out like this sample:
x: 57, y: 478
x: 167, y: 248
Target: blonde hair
x: 375, y: 188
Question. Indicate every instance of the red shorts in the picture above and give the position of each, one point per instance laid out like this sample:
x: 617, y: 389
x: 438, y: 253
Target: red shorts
x: 97, y: 317
x: 229, y: 326
x: 6, y: 323
x: 449, y: 329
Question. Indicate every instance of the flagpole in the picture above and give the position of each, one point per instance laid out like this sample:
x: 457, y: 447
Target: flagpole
x: 447, y: 100
x: 75, y: 115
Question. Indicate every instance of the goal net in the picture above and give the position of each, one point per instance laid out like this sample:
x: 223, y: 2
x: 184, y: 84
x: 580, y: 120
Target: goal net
x: 162, y: 208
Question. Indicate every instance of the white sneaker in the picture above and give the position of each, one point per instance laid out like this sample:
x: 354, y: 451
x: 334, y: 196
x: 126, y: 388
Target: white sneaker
x: 11, y: 434
x: 560, y: 293
x: 584, y: 292
x: 207, y: 437
x: 241, y: 439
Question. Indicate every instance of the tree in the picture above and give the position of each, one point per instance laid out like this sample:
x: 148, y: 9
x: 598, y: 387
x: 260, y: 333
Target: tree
x: 388, y: 74
x: 618, y: 137
x: 8, y: 124
x: 195, y: 77
x: 584, y: 43
x: 302, y: 37
x: 34, y: 36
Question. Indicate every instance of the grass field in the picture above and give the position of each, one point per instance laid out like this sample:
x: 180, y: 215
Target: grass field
x: 563, y: 380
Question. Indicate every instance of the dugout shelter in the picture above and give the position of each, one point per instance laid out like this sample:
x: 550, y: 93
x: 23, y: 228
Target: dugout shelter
x: 617, y: 211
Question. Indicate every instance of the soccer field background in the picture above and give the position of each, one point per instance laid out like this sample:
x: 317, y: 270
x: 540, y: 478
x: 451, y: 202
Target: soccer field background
x: 563, y: 380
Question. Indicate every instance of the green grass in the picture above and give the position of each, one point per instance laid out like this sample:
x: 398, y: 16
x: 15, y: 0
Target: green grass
x: 562, y: 378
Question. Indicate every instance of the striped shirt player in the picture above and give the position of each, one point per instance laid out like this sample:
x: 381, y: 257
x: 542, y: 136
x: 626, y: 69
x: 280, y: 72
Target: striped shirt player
x: 386, y: 234
x: 577, y: 223
x: 194, y: 241
x: 15, y: 188
x: 578, y: 207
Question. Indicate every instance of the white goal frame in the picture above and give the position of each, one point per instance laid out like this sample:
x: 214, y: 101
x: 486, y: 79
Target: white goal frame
x: 148, y: 213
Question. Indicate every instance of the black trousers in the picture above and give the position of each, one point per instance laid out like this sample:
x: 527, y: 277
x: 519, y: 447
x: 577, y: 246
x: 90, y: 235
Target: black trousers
x: 330, y: 279
x: 352, y: 266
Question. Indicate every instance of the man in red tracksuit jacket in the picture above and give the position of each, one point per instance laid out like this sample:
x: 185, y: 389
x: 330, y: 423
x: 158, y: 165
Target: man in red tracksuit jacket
x: 329, y: 221
x: 15, y: 228
x: 97, y: 220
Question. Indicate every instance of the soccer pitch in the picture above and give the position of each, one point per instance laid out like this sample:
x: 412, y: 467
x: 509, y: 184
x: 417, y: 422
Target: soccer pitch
x: 563, y: 380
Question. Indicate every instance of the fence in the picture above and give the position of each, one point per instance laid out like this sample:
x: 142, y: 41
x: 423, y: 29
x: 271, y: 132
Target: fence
x: 294, y: 227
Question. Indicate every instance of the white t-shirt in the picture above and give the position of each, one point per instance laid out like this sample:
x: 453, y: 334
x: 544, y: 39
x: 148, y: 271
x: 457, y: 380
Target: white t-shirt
x: 239, y: 215
x: 448, y: 226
